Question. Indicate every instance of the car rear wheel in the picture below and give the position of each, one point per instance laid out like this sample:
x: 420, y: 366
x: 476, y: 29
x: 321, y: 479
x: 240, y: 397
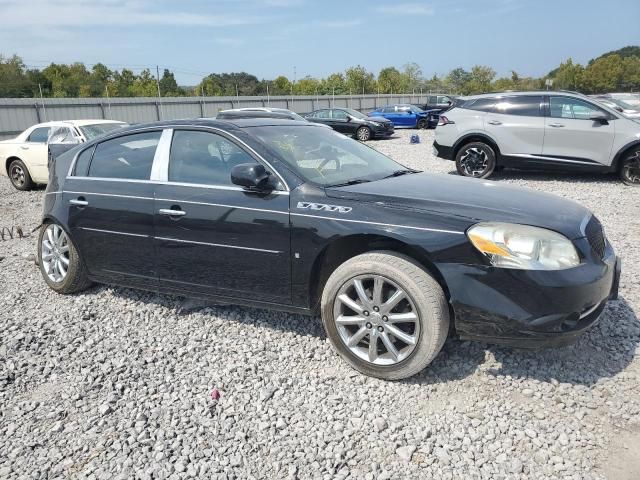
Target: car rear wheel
x: 630, y: 169
x: 476, y: 159
x: 60, y: 264
x: 385, y: 315
x: 363, y: 134
x: 19, y: 175
x: 423, y: 123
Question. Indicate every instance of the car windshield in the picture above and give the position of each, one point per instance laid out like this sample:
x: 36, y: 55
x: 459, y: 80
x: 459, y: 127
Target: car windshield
x: 621, y: 103
x: 92, y: 131
x: 415, y: 109
x: 325, y: 157
x: 354, y: 113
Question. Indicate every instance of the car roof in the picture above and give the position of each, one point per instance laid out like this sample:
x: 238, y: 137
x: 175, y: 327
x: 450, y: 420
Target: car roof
x: 509, y: 93
x: 77, y: 123
x: 230, y: 124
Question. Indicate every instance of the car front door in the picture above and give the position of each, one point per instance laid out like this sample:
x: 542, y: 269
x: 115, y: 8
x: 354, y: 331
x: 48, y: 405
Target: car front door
x: 110, y: 203
x: 517, y: 124
x: 571, y: 137
x: 215, y: 238
x: 406, y: 117
x: 341, y: 122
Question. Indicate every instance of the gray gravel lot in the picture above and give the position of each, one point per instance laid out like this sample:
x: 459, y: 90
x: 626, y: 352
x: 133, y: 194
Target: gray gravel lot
x: 116, y: 383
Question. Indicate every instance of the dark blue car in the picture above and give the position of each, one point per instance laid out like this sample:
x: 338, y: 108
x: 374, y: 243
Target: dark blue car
x: 407, y: 116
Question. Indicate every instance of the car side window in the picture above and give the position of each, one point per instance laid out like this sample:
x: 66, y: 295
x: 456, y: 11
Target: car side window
x: 524, y: 105
x: 389, y: 109
x: 433, y: 99
x: 340, y: 115
x: 129, y: 157
x: 204, y: 158
x: 82, y: 162
x: 482, y: 105
x: 567, y: 107
x: 322, y: 114
x: 404, y: 109
x: 39, y: 135
x: 443, y: 99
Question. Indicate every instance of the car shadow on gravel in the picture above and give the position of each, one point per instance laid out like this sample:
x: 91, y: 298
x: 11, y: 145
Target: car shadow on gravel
x: 603, y: 352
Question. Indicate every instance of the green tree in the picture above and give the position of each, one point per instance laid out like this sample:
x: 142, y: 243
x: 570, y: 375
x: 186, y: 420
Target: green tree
x: 568, y: 75
x: 334, y: 83
x: 603, y: 75
x: 458, y: 79
x: 281, y: 86
x: 479, y: 80
x: 412, y: 77
x: 306, y: 86
x: 359, y: 80
x: 390, y: 80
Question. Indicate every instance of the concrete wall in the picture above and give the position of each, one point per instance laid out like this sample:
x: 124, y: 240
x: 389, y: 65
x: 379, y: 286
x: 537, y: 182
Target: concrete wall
x: 16, y: 114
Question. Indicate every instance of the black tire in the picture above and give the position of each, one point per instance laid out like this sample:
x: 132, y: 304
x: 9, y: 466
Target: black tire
x: 19, y: 175
x: 76, y: 278
x: 363, y: 134
x: 475, y: 159
x: 423, y: 124
x: 630, y: 168
x: 423, y: 291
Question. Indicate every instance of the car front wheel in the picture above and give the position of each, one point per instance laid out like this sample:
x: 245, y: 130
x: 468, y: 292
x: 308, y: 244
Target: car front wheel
x: 476, y: 159
x: 363, y: 134
x: 19, y: 175
x: 60, y: 264
x: 385, y: 315
x: 423, y: 123
x: 630, y: 169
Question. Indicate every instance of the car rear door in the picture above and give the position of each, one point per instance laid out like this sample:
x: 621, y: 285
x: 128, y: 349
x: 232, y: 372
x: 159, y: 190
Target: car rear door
x: 211, y: 236
x: 341, y: 123
x: 517, y: 124
x: 571, y: 137
x: 109, y: 198
x: 35, y: 155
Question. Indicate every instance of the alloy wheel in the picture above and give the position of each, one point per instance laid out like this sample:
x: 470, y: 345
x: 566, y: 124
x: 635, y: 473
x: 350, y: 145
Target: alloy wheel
x: 55, y: 253
x: 364, y: 134
x: 474, y: 162
x: 376, y: 320
x: 631, y: 170
x: 17, y: 175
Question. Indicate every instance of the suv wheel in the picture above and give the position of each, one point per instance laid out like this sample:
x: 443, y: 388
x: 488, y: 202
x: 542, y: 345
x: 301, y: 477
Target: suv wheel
x: 475, y: 159
x: 630, y: 169
x: 385, y: 315
x: 19, y: 175
x: 60, y: 264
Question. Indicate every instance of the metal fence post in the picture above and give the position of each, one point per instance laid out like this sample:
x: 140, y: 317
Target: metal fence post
x: 35, y: 105
x: 158, y: 110
x: 102, y: 110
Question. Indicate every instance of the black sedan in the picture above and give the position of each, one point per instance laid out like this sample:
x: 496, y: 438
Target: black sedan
x: 352, y: 122
x: 292, y: 216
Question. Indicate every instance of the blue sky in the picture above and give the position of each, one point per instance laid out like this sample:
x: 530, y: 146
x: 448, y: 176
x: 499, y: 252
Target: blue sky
x: 318, y: 37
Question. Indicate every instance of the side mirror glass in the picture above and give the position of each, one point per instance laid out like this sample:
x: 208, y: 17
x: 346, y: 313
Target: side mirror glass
x: 252, y: 176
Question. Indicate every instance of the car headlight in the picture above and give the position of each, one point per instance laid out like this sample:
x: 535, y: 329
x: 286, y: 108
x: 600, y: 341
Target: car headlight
x: 376, y: 124
x: 509, y: 245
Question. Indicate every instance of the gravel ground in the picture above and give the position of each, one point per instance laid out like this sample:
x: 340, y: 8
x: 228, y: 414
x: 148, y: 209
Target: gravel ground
x: 116, y: 383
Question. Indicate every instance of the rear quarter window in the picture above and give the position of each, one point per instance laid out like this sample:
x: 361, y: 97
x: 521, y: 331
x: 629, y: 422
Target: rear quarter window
x: 480, y: 104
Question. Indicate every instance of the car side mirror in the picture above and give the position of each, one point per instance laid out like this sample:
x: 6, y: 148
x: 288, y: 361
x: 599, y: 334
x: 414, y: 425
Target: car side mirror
x: 252, y: 176
x: 599, y: 117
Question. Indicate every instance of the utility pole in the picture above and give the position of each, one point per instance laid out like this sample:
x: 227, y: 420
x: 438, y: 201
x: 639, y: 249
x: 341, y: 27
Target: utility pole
x: 159, y: 94
x: 237, y: 97
x: 44, y: 110
x: 268, y: 98
x: 106, y: 89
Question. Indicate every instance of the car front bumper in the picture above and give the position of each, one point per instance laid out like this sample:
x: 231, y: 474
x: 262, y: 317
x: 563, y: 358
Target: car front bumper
x: 530, y: 309
x: 385, y: 131
x: 442, y: 151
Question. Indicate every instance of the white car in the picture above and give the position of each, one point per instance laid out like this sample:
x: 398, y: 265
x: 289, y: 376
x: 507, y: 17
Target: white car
x: 24, y: 159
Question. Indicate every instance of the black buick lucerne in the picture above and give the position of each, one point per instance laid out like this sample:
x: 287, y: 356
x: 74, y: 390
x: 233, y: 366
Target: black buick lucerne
x: 293, y: 216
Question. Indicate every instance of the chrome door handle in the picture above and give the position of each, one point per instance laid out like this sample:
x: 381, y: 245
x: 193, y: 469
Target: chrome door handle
x: 494, y: 122
x: 172, y: 213
x: 24, y: 147
x: 79, y: 203
x: 556, y: 125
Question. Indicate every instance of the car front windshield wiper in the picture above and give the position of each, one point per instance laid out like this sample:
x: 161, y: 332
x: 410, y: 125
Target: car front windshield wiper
x: 404, y: 171
x: 355, y: 181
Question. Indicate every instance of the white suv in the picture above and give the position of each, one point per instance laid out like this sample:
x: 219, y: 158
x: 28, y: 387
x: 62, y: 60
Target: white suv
x: 538, y: 130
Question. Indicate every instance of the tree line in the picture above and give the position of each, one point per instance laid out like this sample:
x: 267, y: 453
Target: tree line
x: 614, y: 71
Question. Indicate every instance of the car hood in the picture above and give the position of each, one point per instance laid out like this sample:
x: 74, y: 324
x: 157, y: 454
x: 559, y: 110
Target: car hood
x: 377, y: 119
x: 471, y: 199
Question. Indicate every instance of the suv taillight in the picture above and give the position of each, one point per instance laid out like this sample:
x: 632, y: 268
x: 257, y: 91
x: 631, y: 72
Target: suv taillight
x: 444, y: 121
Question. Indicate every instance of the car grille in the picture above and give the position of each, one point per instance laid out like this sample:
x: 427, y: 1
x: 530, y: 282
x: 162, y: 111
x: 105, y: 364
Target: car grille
x: 595, y: 236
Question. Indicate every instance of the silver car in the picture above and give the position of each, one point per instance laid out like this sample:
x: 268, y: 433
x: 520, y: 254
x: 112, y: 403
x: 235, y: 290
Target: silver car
x: 538, y: 130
